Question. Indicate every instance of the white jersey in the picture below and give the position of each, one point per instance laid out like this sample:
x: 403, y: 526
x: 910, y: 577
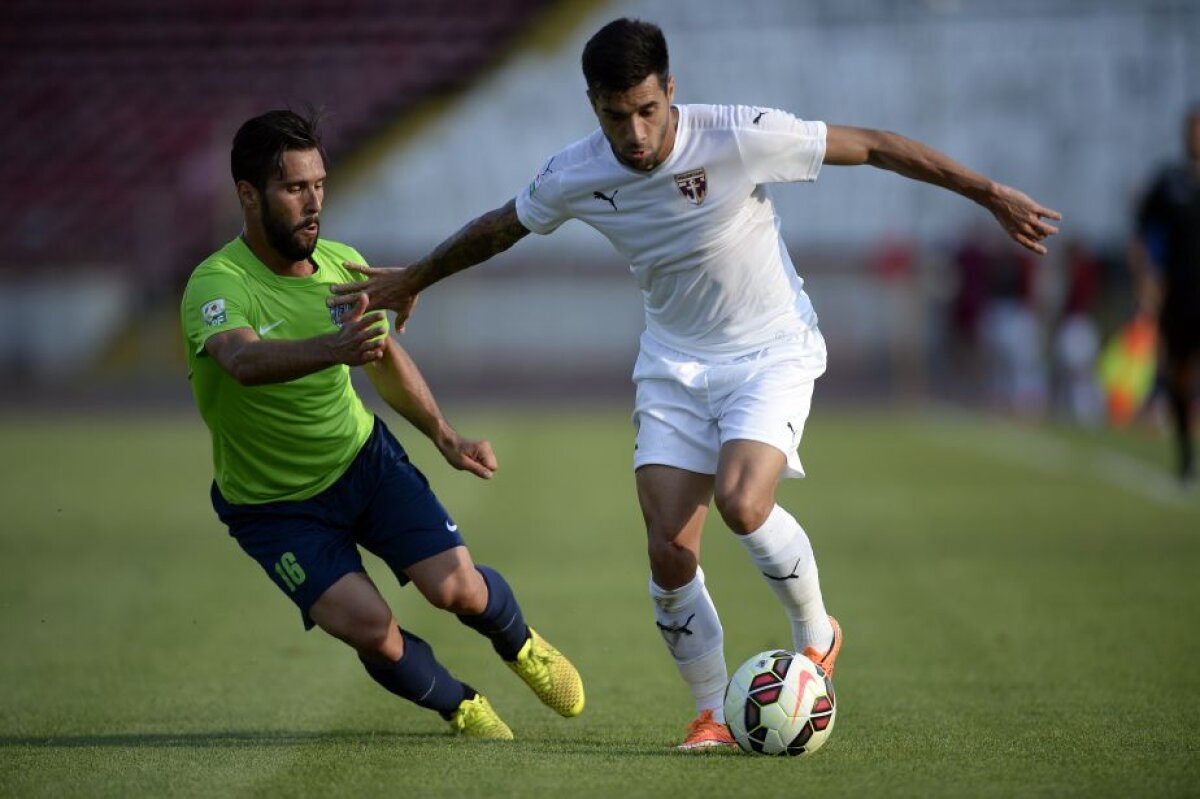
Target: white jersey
x: 699, y: 231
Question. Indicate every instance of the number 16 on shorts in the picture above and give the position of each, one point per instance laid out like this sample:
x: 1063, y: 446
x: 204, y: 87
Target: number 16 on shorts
x: 289, y: 571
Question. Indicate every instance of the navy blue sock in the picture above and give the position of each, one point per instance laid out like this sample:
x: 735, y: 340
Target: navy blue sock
x: 502, y: 620
x: 419, y: 678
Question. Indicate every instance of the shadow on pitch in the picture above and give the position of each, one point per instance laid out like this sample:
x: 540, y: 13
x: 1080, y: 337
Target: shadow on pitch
x: 247, y: 739
x: 234, y: 739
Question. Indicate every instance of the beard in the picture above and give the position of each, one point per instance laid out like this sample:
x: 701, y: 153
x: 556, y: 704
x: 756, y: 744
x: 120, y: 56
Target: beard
x: 282, y: 236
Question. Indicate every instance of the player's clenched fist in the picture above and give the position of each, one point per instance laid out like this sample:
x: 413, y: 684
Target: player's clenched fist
x: 476, y: 457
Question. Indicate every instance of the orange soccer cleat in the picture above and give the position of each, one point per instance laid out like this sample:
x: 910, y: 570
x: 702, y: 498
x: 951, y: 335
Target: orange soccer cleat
x: 706, y: 732
x: 826, y: 661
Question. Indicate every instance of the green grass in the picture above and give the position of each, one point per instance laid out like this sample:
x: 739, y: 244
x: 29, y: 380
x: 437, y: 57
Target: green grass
x: 1021, y: 610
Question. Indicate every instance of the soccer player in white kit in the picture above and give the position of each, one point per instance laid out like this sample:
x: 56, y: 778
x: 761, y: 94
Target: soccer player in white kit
x: 731, y: 347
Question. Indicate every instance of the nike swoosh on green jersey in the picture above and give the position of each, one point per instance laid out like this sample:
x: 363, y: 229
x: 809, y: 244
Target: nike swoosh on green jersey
x: 265, y: 329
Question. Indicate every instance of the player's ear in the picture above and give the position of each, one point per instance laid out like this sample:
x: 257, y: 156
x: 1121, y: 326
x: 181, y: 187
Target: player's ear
x: 670, y: 88
x: 247, y: 195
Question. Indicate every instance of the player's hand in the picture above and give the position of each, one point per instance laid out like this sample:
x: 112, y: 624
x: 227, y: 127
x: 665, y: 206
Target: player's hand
x: 1022, y: 218
x: 388, y: 288
x: 469, y: 455
x: 362, y: 336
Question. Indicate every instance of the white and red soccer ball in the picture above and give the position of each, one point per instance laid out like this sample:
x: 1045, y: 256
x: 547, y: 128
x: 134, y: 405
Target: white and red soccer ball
x: 780, y: 703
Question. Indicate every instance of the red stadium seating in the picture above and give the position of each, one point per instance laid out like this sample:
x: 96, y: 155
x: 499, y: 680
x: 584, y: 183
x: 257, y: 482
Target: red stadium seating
x: 118, y: 115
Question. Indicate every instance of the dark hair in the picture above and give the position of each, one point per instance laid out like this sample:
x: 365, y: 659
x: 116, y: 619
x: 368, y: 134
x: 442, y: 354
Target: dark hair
x: 260, y: 143
x: 624, y: 53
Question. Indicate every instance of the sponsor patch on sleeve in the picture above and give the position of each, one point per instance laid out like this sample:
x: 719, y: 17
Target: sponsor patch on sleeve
x: 214, y: 312
x: 540, y: 176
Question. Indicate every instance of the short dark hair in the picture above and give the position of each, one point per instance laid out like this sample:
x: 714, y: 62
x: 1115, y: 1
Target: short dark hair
x: 260, y: 143
x: 624, y: 53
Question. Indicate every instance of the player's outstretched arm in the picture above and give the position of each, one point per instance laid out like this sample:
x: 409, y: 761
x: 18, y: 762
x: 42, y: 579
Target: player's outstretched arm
x: 254, y: 361
x: 1019, y: 215
x: 401, y: 385
x: 396, y: 288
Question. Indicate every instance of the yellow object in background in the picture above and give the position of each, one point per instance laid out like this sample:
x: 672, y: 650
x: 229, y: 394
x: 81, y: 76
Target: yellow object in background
x: 1126, y: 368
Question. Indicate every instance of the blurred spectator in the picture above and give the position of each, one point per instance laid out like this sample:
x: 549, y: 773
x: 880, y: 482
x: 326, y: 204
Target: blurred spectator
x: 1165, y: 259
x: 995, y: 321
x: 970, y: 265
x: 1077, y: 339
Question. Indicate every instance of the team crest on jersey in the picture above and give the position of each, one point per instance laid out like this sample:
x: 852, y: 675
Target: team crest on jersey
x: 337, y: 312
x: 693, y: 185
x: 214, y: 312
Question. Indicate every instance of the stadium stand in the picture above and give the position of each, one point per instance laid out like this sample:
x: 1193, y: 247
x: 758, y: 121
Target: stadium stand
x: 119, y: 114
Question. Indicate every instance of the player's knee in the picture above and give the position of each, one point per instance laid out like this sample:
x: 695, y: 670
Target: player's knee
x: 460, y: 593
x: 372, y: 639
x: 742, y: 512
x: 375, y: 639
x: 664, y: 551
x: 671, y: 564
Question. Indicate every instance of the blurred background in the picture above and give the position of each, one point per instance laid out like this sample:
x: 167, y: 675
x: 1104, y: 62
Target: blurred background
x: 116, y: 181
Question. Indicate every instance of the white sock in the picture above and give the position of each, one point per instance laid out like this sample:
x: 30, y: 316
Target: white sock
x: 688, y: 621
x: 782, y: 552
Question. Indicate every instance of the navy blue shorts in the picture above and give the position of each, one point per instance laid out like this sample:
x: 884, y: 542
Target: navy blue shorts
x: 382, y: 503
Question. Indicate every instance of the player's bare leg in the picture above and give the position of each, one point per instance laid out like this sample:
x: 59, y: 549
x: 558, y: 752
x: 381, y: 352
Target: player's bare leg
x: 747, y: 475
x: 450, y: 581
x: 352, y: 610
x: 674, y: 505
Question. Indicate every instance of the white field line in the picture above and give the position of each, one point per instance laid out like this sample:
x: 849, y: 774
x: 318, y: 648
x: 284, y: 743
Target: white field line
x: 1041, y: 450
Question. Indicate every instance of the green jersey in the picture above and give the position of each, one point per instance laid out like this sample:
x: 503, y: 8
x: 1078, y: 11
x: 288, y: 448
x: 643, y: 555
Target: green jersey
x: 281, y: 441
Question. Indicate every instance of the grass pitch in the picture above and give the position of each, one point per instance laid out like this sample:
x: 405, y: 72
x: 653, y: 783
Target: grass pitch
x: 1021, y: 610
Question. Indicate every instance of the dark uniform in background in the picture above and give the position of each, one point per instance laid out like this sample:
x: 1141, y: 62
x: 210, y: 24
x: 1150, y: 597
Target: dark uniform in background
x: 1169, y: 228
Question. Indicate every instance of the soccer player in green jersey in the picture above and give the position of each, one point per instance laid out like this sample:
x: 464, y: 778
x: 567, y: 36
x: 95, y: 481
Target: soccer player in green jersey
x: 304, y: 474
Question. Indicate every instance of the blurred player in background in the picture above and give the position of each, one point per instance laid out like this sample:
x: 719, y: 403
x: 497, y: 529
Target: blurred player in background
x: 304, y: 474
x: 1165, y: 257
x: 731, y: 347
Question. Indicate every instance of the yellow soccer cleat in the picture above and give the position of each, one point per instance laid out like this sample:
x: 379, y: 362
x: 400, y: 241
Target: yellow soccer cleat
x: 475, y: 718
x: 550, y: 675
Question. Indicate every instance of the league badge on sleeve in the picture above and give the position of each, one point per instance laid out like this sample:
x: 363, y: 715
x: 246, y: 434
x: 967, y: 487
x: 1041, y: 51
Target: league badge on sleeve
x: 214, y: 312
x: 693, y: 185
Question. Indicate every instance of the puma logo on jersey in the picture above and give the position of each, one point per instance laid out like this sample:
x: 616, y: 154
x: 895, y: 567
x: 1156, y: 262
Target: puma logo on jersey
x: 759, y: 115
x: 599, y: 195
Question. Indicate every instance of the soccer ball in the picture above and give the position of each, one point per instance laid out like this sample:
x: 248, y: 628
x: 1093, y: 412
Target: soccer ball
x: 780, y: 703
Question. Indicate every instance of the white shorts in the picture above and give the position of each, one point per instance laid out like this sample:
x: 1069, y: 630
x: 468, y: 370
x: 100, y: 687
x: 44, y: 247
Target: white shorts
x: 687, y: 408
